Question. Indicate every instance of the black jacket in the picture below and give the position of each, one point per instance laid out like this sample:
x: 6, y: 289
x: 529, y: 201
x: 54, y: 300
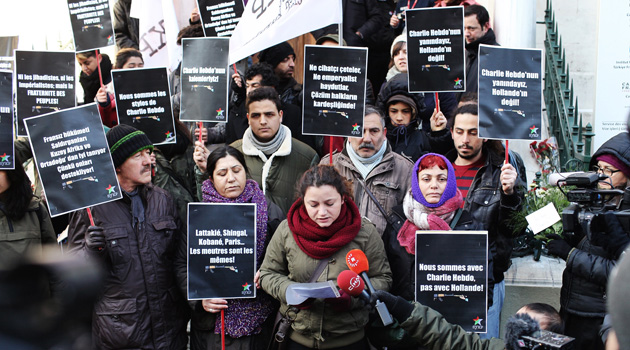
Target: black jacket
x: 493, y: 209
x: 403, y: 264
x: 472, y: 63
x: 364, y: 16
x: 618, y: 145
x: 126, y: 28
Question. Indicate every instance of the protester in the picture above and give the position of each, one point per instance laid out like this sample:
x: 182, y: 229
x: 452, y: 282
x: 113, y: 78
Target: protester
x: 125, y: 59
x: 126, y: 28
x: 282, y: 58
x: 247, y: 321
x: 90, y: 77
x: 380, y: 176
x: 433, y: 203
x: 477, y: 31
x: 546, y: 315
x: 24, y: 221
x: 323, y: 225
x: 139, y: 242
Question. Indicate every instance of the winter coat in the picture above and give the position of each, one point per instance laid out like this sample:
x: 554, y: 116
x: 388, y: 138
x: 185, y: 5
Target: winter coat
x: 403, y: 264
x: 493, y: 209
x: 142, y: 304
x: 432, y: 332
x: 126, y: 28
x: 320, y: 326
x: 389, y: 181
x: 27, y: 234
x: 176, y: 180
x: 283, y: 169
x: 472, y: 62
x: 618, y: 146
x: 362, y: 16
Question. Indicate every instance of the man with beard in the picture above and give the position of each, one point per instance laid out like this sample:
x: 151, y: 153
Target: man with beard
x: 491, y: 195
x: 140, y: 243
x: 477, y: 31
x: 282, y: 58
x: 371, y: 165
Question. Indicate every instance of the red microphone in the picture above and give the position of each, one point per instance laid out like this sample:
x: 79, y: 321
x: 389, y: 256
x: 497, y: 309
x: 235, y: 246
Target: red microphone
x: 352, y: 284
x: 358, y: 263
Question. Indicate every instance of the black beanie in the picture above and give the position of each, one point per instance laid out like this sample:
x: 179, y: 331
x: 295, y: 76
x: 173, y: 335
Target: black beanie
x: 276, y: 54
x: 125, y: 141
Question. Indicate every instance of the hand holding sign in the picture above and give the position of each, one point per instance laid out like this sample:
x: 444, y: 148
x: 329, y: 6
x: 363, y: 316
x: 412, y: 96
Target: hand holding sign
x: 508, y: 178
x: 438, y: 121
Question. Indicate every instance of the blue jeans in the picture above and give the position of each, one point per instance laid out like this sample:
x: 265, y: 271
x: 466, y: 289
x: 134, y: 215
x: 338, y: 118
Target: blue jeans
x: 494, y: 313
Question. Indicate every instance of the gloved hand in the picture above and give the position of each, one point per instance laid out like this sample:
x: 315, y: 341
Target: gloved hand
x: 608, y: 233
x: 340, y: 304
x: 558, y: 246
x: 399, y: 307
x: 95, y: 238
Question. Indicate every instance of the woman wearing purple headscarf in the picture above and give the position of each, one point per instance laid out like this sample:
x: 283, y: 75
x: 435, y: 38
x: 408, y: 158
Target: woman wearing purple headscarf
x: 433, y: 203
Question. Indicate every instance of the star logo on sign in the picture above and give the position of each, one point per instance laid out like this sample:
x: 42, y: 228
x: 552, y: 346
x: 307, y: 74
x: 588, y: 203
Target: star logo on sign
x: 477, y: 321
x: 246, y: 286
x: 533, y: 130
x: 219, y: 112
x: 168, y: 134
x: 111, y: 189
x: 4, y: 157
x: 458, y: 82
x: 355, y: 127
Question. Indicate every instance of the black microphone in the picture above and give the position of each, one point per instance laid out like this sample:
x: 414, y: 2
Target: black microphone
x: 523, y: 332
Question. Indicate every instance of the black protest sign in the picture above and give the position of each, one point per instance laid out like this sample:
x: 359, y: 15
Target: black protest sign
x: 334, y: 90
x: 205, y: 79
x: 143, y: 101
x: 220, y: 17
x: 6, y: 63
x: 45, y: 83
x: 510, y: 93
x: 7, y: 137
x: 452, y: 276
x: 221, y: 250
x: 91, y: 24
x: 435, y: 49
x: 73, y: 159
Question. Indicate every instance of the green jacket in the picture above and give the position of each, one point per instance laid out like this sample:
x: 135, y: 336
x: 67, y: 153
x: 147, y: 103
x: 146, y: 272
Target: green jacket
x: 279, y: 173
x: 319, y: 326
x: 27, y: 234
x: 432, y: 332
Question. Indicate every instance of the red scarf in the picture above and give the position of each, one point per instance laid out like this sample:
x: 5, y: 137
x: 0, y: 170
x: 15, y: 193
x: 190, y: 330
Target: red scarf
x: 322, y: 242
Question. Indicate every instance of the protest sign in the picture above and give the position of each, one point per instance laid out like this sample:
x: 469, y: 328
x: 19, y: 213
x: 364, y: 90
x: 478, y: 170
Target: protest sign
x: 7, y: 138
x: 72, y: 158
x: 204, y: 80
x: 45, y: 83
x: 143, y: 100
x: 334, y: 90
x: 91, y: 23
x: 221, y: 250
x: 510, y: 93
x: 435, y: 49
x: 452, y: 276
x: 219, y: 17
x: 7, y: 45
x: 269, y: 22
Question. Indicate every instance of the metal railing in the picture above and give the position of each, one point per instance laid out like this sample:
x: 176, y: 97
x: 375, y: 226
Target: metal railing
x: 565, y: 123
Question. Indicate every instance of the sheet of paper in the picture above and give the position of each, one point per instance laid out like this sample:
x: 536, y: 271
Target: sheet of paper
x: 543, y: 218
x: 297, y: 293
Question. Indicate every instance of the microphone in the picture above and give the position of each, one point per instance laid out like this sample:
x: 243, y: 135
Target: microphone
x: 353, y: 285
x: 358, y: 263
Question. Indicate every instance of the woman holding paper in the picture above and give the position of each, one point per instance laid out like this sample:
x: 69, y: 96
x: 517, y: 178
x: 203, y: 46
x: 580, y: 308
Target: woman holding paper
x: 433, y: 203
x: 322, y: 226
x: 247, y: 321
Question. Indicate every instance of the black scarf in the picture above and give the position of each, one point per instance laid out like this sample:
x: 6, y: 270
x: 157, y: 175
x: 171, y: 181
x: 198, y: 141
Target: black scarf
x: 137, y: 207
x: 91, y: 83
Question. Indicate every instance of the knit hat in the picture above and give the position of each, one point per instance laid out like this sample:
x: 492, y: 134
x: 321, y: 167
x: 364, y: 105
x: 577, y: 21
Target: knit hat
x: 614, y: 161
x: 125, y: 141
x: 404, y: 99
x: 276, y: 54
x: 618, y: 305
x: 333, y: 37
x: 451, y: 183
x: 400, y: 38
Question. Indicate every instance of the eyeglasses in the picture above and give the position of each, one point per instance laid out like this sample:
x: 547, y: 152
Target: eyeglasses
x: 606, y: 171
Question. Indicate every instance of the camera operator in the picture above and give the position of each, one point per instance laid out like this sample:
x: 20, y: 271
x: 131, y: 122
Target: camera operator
x: 592, y: 250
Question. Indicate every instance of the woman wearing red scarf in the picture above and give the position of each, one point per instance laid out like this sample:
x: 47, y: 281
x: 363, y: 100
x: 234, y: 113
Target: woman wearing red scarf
x: 323, y: 224
x: 431, y: 204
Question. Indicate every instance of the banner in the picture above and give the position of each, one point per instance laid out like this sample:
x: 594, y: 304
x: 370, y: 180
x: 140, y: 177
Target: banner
x: 435, y: 49
x: 452, y: 276
x: 45, y: 83
x: 91, y: 24
x: 7, y: 137
x: 510, y: 93
x: 143, y: 101
x: 73, y: 159
x: 221, y: 250
x: 334, y: 90
x: 268, y: 22
x: 204, y: 80
x: 220, y: 17
x: 158, y: 27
